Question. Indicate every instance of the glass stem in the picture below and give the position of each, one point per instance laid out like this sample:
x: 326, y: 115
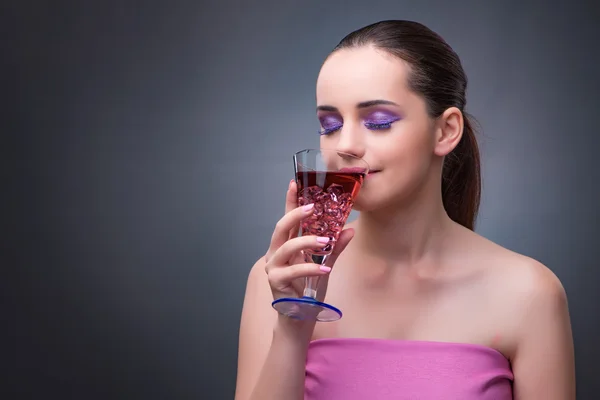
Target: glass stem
x: 310, y: 287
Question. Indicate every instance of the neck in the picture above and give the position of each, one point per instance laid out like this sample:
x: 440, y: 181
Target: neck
x: 404, y: 234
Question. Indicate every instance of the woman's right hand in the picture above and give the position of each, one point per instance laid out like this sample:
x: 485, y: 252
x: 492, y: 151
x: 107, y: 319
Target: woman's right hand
x: 285, y: 264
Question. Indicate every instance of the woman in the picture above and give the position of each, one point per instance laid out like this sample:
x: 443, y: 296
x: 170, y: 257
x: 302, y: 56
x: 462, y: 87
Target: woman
x: 432, y: 310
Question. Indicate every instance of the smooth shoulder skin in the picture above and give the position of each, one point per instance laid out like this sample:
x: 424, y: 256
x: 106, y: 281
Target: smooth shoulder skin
x: 531, y: 305
x: 257, y: 323
x: 543, y: 362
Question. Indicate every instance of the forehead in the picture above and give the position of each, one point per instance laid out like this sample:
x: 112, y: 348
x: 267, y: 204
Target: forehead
x: 350, y: 76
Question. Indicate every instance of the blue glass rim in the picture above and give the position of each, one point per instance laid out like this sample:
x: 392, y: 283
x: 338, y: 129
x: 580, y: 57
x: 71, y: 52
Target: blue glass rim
x: 308, y: 300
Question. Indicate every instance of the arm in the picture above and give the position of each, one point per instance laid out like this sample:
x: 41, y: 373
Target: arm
x: 272, y: 349
x: 544, y: 365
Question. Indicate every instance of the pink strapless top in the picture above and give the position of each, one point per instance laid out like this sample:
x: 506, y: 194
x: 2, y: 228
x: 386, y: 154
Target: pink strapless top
x: 378, y: 369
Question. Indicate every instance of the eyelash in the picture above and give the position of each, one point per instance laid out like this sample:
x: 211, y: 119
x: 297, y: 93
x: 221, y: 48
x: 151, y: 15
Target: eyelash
x: 327, y: 131
x: 377, y: 126
x: 370, y: 125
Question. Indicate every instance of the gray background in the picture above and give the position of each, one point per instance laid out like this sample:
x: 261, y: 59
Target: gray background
x: 147, y: 148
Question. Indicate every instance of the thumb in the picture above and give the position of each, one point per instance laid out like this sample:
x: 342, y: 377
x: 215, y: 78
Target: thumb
x: 291, y: 203
x: 291, y: 198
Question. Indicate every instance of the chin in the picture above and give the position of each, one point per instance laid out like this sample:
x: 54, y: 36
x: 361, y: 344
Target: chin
x: 374, y: 193
x: 375, y: 198
x: 365, y: 203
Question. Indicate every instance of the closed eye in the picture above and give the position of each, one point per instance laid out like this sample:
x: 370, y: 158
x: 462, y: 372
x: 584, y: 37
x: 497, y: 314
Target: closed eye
x: 372, y: 124
x: 330, y: 130
x: 378, y: 125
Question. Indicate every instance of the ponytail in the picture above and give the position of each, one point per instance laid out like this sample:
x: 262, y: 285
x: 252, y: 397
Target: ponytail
x: 461, y: 179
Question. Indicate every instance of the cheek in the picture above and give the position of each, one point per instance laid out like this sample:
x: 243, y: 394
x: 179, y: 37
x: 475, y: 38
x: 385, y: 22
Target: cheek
x: 328, y: 142
x: 407, y: 150
x: 407, y: 160
x: 406, y: 157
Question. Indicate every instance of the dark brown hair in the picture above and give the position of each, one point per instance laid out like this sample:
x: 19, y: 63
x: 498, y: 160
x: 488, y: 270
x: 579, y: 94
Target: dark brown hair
x: 437, y: 75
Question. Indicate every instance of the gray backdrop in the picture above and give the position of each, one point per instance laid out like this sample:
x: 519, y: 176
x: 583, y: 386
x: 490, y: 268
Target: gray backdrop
x: 147, y: 149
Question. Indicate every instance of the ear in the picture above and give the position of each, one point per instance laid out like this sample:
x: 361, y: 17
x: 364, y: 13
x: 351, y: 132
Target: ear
x: 449, y: 130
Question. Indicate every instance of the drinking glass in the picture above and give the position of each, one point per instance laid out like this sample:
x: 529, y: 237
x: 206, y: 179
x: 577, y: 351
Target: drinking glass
x: 331, y: 181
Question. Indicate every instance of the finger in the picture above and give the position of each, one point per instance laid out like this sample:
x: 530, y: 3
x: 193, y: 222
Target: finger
x: 291, y: 247
x: 343, y: 240
x: 294, y: 232
x: 291, y: 202
x: 282, y: 277
x: 286, y: 223
x: 345, y: 237
x: 291, y: 198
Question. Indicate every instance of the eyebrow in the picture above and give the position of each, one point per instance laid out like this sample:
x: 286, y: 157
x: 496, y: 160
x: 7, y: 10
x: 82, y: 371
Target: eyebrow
x: 364, y: 104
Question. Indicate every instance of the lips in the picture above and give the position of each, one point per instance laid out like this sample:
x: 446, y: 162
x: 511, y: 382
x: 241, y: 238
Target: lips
x: 353, y: 170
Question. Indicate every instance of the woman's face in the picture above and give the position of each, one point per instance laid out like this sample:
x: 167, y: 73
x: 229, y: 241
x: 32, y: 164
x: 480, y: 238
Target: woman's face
x: 365, y: 108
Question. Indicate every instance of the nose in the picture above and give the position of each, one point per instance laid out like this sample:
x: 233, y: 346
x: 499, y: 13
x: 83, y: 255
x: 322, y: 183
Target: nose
x: 351, y: 141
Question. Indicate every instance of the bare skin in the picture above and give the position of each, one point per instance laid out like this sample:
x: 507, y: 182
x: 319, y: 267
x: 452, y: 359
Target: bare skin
x: 477, y: 299
x: 405, y: 270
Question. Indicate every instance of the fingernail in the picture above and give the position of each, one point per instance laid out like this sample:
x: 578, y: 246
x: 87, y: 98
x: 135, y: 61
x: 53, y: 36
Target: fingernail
x: 322, y: 239
x: 324, y: 268
x: 290, y: 185
x: 308, y: 207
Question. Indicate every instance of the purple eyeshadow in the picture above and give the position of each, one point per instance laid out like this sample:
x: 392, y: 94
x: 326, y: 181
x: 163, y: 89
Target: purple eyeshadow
x: 381, y: 117
x: 330, y: 121
x: 376, y: 120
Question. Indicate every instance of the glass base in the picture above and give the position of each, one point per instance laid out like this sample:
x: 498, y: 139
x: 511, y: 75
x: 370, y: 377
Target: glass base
x: 307, y: 308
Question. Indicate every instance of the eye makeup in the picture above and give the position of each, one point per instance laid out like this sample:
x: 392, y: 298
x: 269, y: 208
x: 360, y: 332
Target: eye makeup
x: 330, y: 123
x: 380, y: 119
x: 374, y: 120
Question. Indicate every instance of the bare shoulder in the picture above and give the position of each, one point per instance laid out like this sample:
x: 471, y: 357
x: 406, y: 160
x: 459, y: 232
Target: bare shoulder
x: 524, y: 277
x: 530, y: 304
x: 528, y: 298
